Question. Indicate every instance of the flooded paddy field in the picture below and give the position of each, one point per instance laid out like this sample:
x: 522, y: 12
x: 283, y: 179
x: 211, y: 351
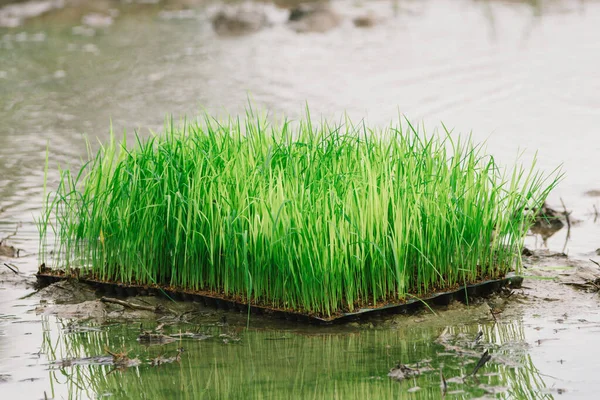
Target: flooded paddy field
x: 520, y: 75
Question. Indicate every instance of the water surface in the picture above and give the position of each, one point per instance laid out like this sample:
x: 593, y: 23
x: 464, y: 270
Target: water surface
x: 521, y: 75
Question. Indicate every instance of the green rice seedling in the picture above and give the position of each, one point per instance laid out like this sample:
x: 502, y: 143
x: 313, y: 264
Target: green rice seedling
x: 317, y: 218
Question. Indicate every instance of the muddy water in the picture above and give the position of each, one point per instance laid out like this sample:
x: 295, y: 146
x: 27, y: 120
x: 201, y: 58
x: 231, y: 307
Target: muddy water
x: 521, y: 75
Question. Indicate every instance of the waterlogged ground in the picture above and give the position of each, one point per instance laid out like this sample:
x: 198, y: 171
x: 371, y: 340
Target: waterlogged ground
x: 522, y: 75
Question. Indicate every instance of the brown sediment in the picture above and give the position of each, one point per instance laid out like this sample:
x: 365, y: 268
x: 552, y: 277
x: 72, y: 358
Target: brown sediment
x: 480, y: 288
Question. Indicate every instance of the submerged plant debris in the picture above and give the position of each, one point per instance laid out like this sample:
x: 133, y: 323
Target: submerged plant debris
x: 316, y: 218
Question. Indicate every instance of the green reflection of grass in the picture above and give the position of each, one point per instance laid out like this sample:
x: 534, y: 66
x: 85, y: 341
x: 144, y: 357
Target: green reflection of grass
x: 307, y: 365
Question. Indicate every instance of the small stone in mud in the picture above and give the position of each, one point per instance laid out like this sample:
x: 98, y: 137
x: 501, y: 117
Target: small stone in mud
x: 365, y: 21
x: 239, y: 22
x: 313, y: 18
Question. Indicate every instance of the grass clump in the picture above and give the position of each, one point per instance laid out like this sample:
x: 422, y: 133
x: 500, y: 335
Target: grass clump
x: 315, y: 218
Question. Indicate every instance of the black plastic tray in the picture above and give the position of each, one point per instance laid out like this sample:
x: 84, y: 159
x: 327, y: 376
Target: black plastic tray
x: 463, y: 293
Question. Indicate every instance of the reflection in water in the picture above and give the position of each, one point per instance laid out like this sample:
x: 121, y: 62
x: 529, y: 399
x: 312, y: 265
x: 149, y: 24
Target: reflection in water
x: 549, y: 221
x: 281, y: 363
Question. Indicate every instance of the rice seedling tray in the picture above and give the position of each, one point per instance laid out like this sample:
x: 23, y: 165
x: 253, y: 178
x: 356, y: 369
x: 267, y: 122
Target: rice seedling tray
x: 46, y: 276
x: 314, y: 219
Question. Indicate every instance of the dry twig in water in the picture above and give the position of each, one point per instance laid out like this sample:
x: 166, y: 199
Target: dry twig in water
x: 11, y: 268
